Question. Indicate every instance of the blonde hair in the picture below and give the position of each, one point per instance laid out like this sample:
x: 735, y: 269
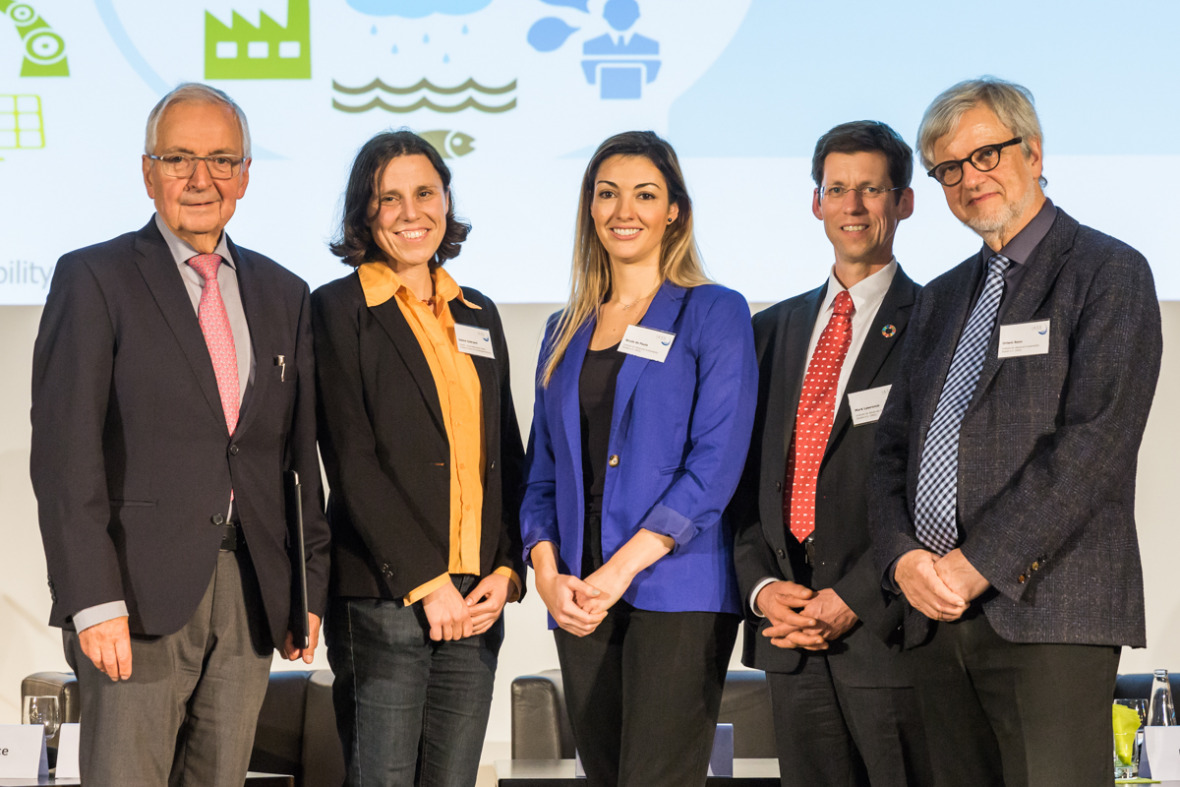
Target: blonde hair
x: 590, y: 279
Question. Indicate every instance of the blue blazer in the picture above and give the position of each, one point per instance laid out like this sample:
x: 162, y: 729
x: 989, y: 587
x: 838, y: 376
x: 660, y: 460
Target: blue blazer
x: 680, y: 430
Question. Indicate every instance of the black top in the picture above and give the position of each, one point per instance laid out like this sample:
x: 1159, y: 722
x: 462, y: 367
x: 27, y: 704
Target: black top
x: 596, y: 403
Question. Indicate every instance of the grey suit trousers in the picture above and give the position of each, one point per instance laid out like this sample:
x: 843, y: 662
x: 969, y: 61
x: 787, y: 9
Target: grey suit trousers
x: 186, y: 716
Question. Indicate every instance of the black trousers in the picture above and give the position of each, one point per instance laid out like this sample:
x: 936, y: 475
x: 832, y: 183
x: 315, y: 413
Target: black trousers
x: 643, y: 693
x: 1007, y: 714
x: 832, y: 733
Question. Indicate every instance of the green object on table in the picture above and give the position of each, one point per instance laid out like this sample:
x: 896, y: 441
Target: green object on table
x: 1136, y: 781
x: 1126, y: 722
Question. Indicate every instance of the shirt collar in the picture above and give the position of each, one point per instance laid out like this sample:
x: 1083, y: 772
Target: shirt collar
x: 182, y: 252
x: 868, y: 293
x: 379, y: 282
x: 1020, y: 249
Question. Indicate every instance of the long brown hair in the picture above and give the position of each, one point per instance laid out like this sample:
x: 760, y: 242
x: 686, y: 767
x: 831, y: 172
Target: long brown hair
x: 680, y: 260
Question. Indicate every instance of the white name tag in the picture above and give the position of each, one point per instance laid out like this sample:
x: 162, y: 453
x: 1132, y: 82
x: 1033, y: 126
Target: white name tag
x: 474, y: 341
x: 1025, y: 338
x: 866, y: 405
x: 1160, y: 758
x: 22, y: 751
x: 646, y: 343
x: 67, y: 753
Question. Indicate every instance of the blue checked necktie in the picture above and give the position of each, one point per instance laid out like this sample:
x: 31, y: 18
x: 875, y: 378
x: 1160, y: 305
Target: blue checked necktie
x: 938, y: 474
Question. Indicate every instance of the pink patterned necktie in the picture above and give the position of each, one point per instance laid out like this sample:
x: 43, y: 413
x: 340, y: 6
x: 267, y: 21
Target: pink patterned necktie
x: 813, y: 419
x: 218, y: 336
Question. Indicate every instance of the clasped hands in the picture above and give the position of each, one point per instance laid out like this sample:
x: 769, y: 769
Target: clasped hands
x: 452, y: 617
x: 940, y: 588
x: 579, y: 605
x: 803, y: 618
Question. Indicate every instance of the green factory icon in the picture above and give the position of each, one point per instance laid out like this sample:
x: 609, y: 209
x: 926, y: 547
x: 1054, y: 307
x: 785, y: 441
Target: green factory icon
x: 45, y: 50
x: 266, y: 51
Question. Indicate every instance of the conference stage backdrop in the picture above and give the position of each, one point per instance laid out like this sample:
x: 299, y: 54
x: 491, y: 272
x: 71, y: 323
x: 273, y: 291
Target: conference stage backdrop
x: 516, y: 94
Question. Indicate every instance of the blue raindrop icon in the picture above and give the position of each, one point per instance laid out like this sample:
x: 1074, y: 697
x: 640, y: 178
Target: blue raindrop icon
x: 549, y: 33
x: 393, y: 49
x: 464, y: 30
x: 446, y: 58
x: 426, y: 38
x: 373, y: 29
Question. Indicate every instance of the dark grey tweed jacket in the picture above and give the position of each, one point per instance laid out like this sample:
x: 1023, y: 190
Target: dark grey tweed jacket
x: 1049, y: 444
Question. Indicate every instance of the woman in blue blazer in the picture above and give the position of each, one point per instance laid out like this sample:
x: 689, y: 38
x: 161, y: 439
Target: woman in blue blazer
x: 645, y: 400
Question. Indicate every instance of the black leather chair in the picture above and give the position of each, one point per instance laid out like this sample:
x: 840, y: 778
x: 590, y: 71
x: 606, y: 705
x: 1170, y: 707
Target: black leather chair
x: 541, y: 728
x: 1138, y: 685
x: 296, y: 727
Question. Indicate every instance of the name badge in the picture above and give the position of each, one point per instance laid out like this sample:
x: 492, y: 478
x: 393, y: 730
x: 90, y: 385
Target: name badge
x: 474, y: 341
x: 67, y: 752
x: 1024, y: 338
x: 866, y: 405
x: 646, y: 343
x: 1160, y: 758
x: 22, y: 751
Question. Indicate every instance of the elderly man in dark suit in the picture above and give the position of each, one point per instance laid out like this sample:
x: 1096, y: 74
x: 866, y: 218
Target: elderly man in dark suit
x: 817, y: 619
x: 1003, y: 503
x: 173, y: 385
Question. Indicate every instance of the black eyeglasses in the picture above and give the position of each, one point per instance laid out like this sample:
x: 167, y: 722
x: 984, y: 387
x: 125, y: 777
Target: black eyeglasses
x: 984, y: 159
x: 182, y: 165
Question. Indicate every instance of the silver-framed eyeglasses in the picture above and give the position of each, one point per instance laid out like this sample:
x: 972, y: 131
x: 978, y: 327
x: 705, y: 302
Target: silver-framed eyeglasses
x: 867, y: 193
x: 183, y: 165
x: 984, y: 159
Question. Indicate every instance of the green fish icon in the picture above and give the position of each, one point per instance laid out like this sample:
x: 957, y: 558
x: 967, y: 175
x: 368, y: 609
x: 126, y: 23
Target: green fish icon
x: 449, y: 144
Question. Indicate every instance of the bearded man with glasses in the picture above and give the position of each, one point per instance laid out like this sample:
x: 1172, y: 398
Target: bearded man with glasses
x: 173, y: 385
x: 1002, y: 506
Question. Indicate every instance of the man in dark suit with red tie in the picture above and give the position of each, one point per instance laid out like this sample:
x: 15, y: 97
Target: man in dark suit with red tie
x: 1003, y: 506
x: 173, y: 385
x: 817, y: 619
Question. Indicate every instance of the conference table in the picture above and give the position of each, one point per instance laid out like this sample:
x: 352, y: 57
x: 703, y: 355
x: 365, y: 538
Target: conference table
x: 560, y: 773
x: 253, y: 779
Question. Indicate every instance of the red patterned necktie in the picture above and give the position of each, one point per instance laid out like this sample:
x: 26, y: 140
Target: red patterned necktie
x: 218, y: 336
x: 813, y: 420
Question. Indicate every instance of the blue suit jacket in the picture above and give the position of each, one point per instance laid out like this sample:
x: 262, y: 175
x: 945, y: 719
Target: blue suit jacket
x: 680, y: 429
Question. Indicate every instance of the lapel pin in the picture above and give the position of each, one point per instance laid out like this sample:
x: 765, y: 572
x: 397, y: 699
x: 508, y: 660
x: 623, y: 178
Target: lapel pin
x: 889, y: 330
x: 281, y: 362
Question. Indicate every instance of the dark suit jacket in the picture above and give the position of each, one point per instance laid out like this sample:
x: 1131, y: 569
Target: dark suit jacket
x: 1048, y: 447
x: 844, y: 559
x: 131, y: 460
x: 386, y: 451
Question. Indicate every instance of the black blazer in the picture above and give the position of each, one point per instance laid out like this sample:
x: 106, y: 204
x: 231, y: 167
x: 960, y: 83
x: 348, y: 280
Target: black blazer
x: 131, y: 460
x: 844, y: 559
x: 385, y: 447
x: 1048, y: 446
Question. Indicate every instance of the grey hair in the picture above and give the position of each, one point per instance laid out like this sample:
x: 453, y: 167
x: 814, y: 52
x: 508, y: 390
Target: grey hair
x: 1011, y: 103
x: 193, y: 91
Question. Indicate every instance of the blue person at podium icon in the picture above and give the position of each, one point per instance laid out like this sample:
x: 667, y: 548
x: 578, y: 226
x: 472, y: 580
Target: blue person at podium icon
x: 621, y: 64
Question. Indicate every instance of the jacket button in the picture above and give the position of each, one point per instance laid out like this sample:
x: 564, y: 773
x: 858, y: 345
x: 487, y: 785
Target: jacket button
x: 778, y: 486
x: 233, y: 450
x: 1036, y: 566
x: 613, y: 461
x: 780, y: 553
x: 1021, y: 579
x: 217, y: 519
